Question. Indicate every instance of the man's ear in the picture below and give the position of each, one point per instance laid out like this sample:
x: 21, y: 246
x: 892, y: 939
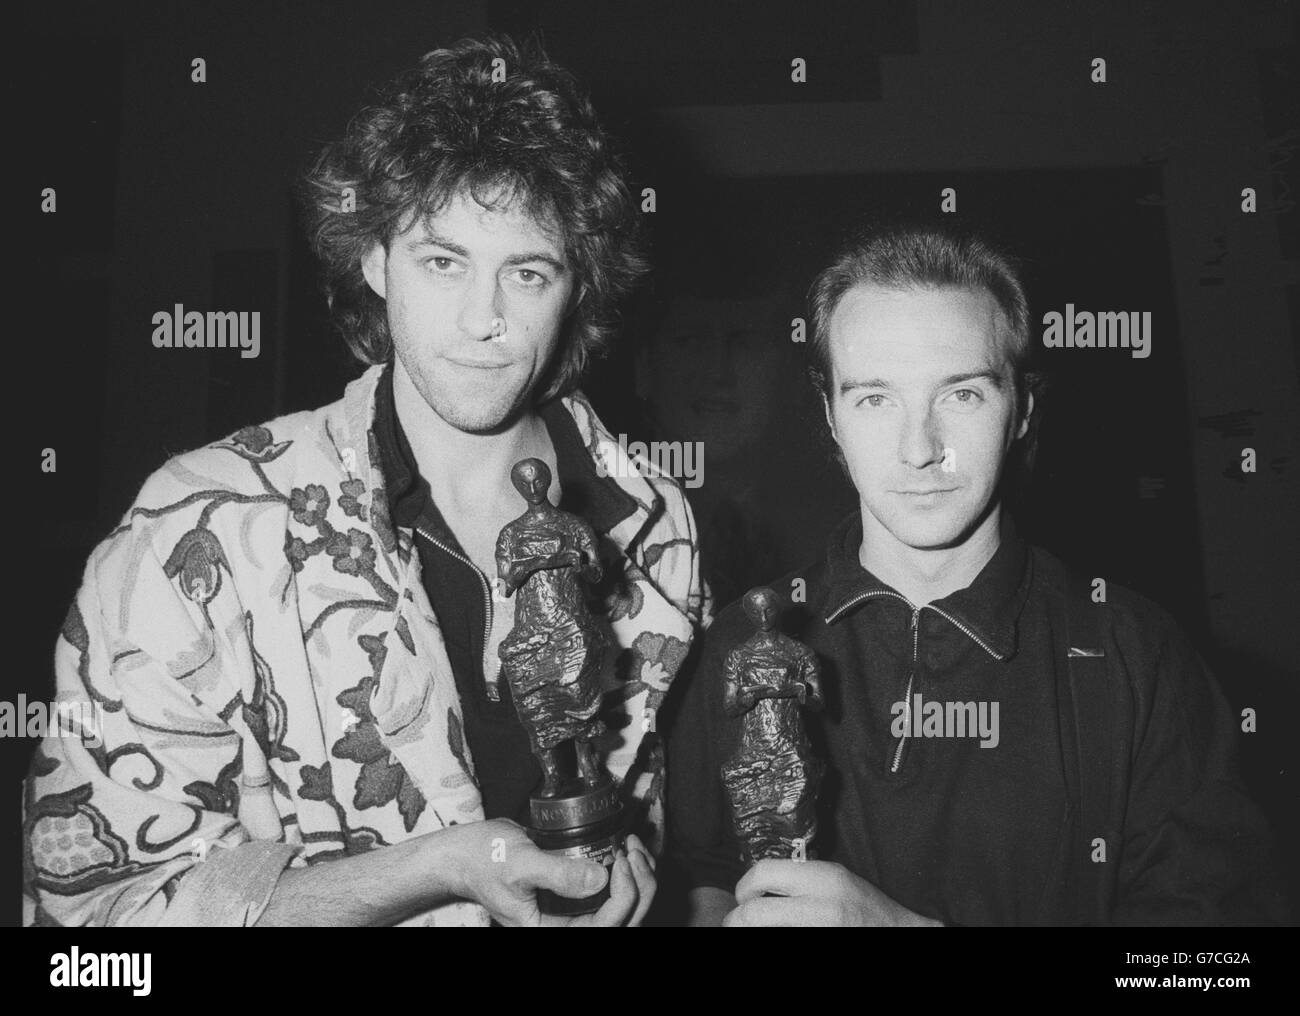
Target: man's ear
x: 1024, y: 417
x: 830, y: 420
x: 374, y: 264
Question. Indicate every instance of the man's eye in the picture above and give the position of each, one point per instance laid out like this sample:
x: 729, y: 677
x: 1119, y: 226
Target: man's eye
x: 968, y: 396
x: 440, y: 264
x: 874, y: 401
x: 529, y: 277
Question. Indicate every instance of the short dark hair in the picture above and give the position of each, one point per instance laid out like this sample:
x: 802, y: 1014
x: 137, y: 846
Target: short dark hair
x: 929, y: 257
x: 447, y: 127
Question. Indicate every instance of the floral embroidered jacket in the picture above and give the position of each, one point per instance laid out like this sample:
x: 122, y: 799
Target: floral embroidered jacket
x: 269, y: 686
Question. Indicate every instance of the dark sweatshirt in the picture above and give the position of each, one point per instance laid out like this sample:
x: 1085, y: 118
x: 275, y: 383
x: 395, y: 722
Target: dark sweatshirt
x: 992, y: 827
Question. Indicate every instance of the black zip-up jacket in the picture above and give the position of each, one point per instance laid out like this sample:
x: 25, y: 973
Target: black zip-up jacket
x: 1133, y: 816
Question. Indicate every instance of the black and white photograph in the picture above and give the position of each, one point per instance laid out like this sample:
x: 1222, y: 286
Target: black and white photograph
x: 610, y: 464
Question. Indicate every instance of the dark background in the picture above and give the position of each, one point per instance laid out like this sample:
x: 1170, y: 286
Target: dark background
x: 1119, y: 196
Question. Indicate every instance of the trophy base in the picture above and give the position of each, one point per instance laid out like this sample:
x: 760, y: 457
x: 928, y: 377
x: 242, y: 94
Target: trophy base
x: 581, y: 822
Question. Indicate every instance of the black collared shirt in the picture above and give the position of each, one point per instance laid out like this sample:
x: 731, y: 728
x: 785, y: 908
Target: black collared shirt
x: 987, y: 835
x: 506, y: 770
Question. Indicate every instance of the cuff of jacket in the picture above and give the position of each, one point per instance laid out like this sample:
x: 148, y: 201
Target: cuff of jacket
x: 229, y: 888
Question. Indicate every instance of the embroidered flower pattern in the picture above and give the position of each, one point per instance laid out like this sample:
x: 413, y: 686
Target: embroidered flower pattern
x: 318, y: 785
x: 350, y: 499
x: 296, y: 550
x: 256, y: 445
x: 353, y: 554
x: 309, y: 506
x: 382, y: 779
x: 654, y: 661
x: 196, y: 562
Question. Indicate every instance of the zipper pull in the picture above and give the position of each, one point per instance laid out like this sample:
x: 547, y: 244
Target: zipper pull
x: 909, y: 719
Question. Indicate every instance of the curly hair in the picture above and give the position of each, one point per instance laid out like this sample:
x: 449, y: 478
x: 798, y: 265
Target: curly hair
x: 455, y: 124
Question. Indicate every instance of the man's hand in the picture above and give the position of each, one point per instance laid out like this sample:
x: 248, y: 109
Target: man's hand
x: 498, y: 866
x: 815, y: 894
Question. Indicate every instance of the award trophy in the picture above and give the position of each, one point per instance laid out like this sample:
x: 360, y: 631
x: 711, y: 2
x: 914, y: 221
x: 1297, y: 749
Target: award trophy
x: 551, y: 659
x: 772, y: 779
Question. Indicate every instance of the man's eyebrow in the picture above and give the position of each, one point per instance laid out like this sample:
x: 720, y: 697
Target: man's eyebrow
x: 849, y: 385
x: 992, y: 377
x: 431, y: 239
x: 537, y: 255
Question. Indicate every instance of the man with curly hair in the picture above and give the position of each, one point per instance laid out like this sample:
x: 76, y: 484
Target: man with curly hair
x: 292, y: 639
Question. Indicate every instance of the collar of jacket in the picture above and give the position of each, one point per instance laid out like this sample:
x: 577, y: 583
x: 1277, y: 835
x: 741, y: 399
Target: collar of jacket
x: 623, y: 502
x: 986, y: 611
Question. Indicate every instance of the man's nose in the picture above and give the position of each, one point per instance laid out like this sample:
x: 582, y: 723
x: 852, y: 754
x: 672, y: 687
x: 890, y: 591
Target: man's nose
x: 920, y: 444
x: 481, y: 306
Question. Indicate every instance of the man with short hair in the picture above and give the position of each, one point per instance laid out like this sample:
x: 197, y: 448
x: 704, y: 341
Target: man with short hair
x: 292, y: 636
x: 1001, y: 749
